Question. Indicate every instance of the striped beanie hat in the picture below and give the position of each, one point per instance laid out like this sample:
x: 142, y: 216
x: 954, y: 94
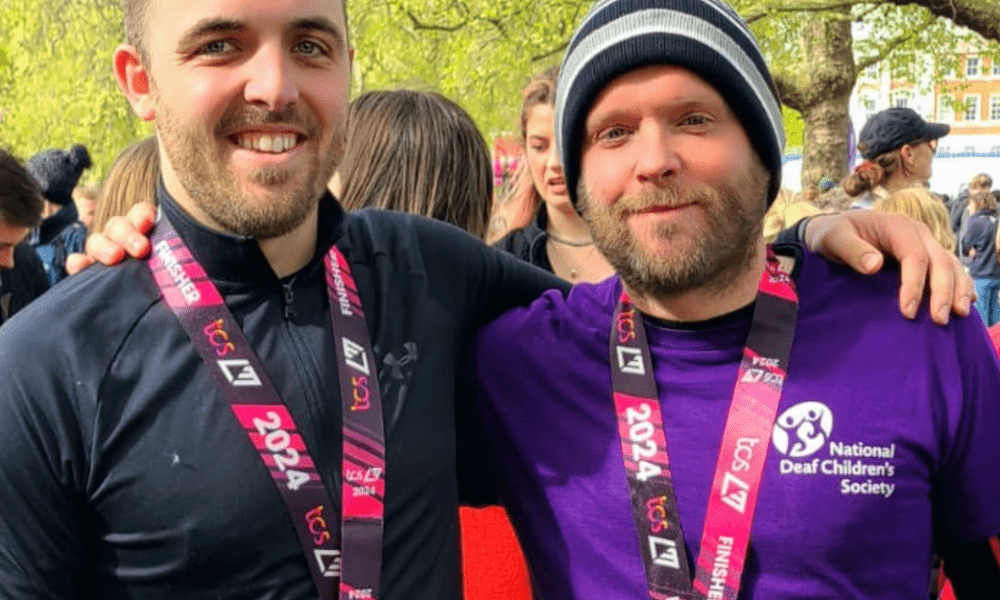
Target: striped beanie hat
x: 706, y: 37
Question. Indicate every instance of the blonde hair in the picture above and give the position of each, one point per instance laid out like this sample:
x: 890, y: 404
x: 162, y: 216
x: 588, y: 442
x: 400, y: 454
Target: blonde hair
x: 132, y: 179
x: 786, y: 210
x: 923, y: 206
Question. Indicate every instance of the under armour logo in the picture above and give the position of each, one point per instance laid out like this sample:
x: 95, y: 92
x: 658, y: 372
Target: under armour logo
x: 398, y: 363
x: 239, y: 372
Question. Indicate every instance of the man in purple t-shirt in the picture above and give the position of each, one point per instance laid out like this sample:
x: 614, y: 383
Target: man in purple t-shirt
x: 816, y: 444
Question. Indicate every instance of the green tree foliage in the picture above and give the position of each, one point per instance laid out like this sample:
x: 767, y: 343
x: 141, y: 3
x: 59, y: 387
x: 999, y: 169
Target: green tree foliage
x: 56, y: 84
x: 477, y: 52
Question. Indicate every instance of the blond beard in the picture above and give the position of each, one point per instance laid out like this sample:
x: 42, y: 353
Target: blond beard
x: 708, y: 260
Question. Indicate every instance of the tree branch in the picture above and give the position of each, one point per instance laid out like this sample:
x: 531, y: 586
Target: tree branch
x: 887, y: 49
x: 979, y: 16
x: 419, y: 25
x: 550, y: 53
x: 802, y: 7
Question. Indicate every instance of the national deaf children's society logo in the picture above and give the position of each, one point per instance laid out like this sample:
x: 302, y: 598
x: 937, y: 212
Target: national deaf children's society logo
x: 802, y: 429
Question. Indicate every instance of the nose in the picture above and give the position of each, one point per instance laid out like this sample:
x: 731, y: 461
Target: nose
x: 552, y: 160
x: 657, y: 159
x: 271, y: 80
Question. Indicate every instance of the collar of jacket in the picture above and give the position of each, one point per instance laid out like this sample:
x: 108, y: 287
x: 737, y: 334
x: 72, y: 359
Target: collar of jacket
x: 237, y: 259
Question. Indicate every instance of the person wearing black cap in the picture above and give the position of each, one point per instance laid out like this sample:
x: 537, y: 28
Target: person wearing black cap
x: 61, y: 232
x: 898, y: 147
x: 710, y: 424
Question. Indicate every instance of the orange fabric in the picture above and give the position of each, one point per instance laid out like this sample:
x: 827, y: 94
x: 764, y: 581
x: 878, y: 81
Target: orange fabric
x: 995, y: 336
x: 492, y: 563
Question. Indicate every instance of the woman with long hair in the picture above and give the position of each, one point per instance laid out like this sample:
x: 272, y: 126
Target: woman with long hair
x: 558, y: 239
x: 416, y: 152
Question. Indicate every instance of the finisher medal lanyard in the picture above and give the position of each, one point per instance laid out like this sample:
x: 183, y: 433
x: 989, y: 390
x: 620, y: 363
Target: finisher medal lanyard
x: 346, y: 568
x: 733, y: 498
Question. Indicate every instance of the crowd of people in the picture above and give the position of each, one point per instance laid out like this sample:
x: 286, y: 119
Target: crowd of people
x: 898, y: 147
x: 650, y: 364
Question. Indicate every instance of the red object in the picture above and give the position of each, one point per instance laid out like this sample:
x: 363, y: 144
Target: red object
x: 492, y: 563
x: 946, y: 593
x: 995, y: 337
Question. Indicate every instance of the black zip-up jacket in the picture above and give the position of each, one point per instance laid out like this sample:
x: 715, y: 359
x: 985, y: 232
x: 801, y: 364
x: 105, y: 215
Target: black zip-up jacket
x: 123, y: 472
x: 528, y: 243
x: 22, y: 284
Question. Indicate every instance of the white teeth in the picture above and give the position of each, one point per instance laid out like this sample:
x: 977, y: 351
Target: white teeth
x: 272, y: 144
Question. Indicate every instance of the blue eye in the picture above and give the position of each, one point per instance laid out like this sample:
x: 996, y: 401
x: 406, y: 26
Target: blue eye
x: 217, y: 47
x: 308, y: 48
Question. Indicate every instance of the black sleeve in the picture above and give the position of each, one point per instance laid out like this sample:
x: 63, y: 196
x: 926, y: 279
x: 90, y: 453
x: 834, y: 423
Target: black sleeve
x: 478, y: 471
x: 41, y: 467
x: 794, y: 234
x: 27, y: 280
x: 481, y: 279
x: 974, y: 569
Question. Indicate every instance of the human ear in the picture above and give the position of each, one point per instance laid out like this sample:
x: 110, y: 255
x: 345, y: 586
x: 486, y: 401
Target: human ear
x: 133, y: 80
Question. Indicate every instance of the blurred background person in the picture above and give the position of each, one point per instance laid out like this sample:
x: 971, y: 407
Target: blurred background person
x: 557, y: 239
x: 60, y: 233
x: 979, y: 247
x: 416, y: 152
x: 132, y: 178
x: 22, y: 277
x: 898, y: 147
x: 421, y: 153
x: 925, y: 207
x: 85, y: 199
x: 958, y: 212
x: 787, y: 210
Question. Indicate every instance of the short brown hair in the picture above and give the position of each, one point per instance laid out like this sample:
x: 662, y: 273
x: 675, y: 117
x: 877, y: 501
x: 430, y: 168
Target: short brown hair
x: 20, y: 197
x: 417, y: 152
x: 132, y: 179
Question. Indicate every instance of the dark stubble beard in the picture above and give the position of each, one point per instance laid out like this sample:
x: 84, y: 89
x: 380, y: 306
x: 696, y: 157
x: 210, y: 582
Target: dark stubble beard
x: 203, y: 168
x: 707, y: 259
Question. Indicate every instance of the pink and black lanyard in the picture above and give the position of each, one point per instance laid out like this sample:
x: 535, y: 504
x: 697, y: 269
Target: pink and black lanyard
x: 733, y: 498
x: 352, y: 563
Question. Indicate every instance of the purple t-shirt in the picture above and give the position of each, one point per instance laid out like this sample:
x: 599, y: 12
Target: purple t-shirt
x: 887, y: 440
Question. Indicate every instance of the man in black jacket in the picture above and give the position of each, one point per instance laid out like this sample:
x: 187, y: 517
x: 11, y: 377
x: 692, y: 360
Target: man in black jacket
x: 22, y: 278
x: 128, y: 469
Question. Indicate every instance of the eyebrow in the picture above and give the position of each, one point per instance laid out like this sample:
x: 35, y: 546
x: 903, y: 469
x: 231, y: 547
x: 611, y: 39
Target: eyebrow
x: 211, y: 26
x: 321, y: 25
x: 207, y: 27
